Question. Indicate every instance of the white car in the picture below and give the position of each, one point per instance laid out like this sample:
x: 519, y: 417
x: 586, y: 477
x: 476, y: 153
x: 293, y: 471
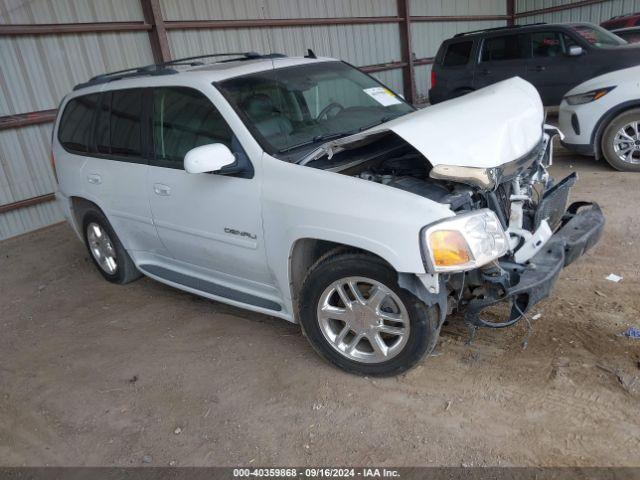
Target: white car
x: 304, y: 189
x: 601, y: 118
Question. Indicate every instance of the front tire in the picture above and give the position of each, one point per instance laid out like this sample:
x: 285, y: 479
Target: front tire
x: 621, y: 141
x: 356, y: 316
x: 106, y: 251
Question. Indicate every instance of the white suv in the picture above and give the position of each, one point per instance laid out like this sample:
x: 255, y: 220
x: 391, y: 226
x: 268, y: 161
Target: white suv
x: 303, y: 188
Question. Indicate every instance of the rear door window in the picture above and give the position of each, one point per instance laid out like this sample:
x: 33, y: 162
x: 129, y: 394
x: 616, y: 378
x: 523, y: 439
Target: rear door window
x: 125, y: 125
x: 457, y: 54
x: 77, y: 122
x: 507, y: 47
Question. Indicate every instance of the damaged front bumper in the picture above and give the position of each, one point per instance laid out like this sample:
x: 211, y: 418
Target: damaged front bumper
x: 526, y: 284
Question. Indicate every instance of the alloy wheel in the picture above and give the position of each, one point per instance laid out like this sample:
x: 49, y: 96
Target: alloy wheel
x: 101, y: 248
x: 626, y: 143
x: 363, y: 319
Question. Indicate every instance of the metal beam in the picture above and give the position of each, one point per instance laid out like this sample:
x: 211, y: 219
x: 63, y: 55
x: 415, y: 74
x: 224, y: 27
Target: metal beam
x: 458, y: 18
x: 26, y: 119
x: 406, y: 51
x: 158, y: 33
x: 28, y: 202
x: 511, y: 11
x: 275, y: 22
x: 51, y: 29
x: 559, y: 8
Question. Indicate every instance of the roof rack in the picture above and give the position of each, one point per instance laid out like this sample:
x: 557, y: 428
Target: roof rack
x: 164, y: 67
x: 510, y: 27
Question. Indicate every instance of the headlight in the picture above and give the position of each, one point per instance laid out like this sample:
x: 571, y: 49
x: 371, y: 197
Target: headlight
x: 587, y: 97
x: 478, y: 177
x: 464, y: 242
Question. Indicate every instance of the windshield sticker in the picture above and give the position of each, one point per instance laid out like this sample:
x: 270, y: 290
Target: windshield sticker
x: 383, y: 96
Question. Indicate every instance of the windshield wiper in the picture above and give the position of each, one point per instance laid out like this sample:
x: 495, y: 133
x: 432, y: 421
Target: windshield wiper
x: 316, y: 139
x: 333, y: 136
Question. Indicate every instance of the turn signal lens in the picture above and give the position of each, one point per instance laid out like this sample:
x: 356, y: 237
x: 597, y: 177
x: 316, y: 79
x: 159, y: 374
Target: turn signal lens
x: 449, y: 248
x: 463, y: 242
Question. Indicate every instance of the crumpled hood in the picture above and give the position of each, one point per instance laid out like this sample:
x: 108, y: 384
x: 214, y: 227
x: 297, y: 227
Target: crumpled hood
x: 486, y: 128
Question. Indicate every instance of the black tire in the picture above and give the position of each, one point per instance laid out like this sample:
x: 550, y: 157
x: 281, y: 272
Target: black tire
x: 126, y: 270
x: 609, y: 135
x: 424, y: 325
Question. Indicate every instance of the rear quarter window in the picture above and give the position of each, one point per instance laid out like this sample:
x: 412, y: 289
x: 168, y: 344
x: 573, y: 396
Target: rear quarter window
x: 76, y: 124
x: 457, y: 54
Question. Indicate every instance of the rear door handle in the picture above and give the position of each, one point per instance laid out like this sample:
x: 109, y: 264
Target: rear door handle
x: 161, y: 189
x: 94, y: 178
x: 485, y: 71
x: 539, y: 68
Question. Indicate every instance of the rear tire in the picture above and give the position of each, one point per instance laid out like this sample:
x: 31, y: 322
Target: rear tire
x: 105, y: 249
x: 615, y: 145
x: 356, y: 316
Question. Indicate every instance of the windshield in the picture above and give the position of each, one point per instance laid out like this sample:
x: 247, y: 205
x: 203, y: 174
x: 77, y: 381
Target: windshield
x: 292, y: 107
x: 597, y: 36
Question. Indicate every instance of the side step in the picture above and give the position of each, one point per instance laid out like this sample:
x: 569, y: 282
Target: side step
x: 210, y: 287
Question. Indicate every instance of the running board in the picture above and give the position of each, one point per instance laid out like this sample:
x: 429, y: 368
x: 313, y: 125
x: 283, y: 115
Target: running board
x: 210, y: 287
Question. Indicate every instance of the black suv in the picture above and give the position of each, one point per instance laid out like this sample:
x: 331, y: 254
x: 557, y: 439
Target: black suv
x: 553, y: 57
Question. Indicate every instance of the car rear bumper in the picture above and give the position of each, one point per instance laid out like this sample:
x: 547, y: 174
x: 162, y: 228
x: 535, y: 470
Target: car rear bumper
x: 532, y: 282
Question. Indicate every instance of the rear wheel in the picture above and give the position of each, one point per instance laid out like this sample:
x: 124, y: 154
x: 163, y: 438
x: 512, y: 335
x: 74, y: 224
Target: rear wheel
x: 106, y: 251
x: 357, y: 317
x: 621, y: 141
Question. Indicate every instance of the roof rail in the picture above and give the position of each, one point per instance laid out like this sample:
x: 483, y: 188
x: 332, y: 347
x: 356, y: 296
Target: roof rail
x: 163, y: 68
x: 510, y: 27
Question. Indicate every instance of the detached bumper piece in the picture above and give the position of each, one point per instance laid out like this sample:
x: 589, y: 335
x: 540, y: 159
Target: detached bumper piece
x: 528, y: 284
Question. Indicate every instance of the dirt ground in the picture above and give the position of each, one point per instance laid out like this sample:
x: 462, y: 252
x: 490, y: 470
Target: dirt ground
x: 98, y: 374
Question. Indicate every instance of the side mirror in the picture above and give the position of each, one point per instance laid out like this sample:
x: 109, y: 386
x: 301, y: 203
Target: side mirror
x: 208, y: 158
x: 575, y: 51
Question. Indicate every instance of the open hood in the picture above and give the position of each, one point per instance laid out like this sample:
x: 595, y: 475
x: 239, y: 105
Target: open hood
x: 485, y: 129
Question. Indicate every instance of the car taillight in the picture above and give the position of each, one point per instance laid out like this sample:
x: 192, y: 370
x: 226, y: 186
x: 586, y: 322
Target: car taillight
x: 53, y: 166
x: 433, y: 79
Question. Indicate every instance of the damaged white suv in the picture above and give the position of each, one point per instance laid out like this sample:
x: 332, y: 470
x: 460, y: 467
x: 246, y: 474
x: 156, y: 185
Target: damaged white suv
x: 303, y: 188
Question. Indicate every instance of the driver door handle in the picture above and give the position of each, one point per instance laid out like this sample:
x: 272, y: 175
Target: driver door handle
x: 485, y: 71
x: 161, y: 189
x: 538, y: 68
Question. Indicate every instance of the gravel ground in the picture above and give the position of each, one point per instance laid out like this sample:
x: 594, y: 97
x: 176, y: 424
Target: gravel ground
x: 98, y: 374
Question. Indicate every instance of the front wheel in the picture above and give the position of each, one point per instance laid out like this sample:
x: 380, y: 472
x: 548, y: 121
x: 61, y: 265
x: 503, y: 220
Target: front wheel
x: 621, y: 141
x: 356, y: 316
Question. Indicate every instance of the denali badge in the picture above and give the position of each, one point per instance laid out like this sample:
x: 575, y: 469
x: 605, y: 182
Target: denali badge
x: 233, y: 231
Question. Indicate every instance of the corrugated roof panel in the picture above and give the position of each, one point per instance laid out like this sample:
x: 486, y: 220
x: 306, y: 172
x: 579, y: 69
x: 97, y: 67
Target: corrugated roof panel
x: 28, y: 219
x: 45, y: 68
x: 69, y: 11
x: 25, y: 171
x: 252, y: 9
x: 596, y: 13
x: 427, y: 36
x: 357, y: 44
x: 458, y: 7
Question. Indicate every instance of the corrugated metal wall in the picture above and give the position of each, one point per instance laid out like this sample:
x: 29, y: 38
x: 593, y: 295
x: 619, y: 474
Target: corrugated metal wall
x: 37, y: 70
x: 591, y: 13
x: 35, y: 73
